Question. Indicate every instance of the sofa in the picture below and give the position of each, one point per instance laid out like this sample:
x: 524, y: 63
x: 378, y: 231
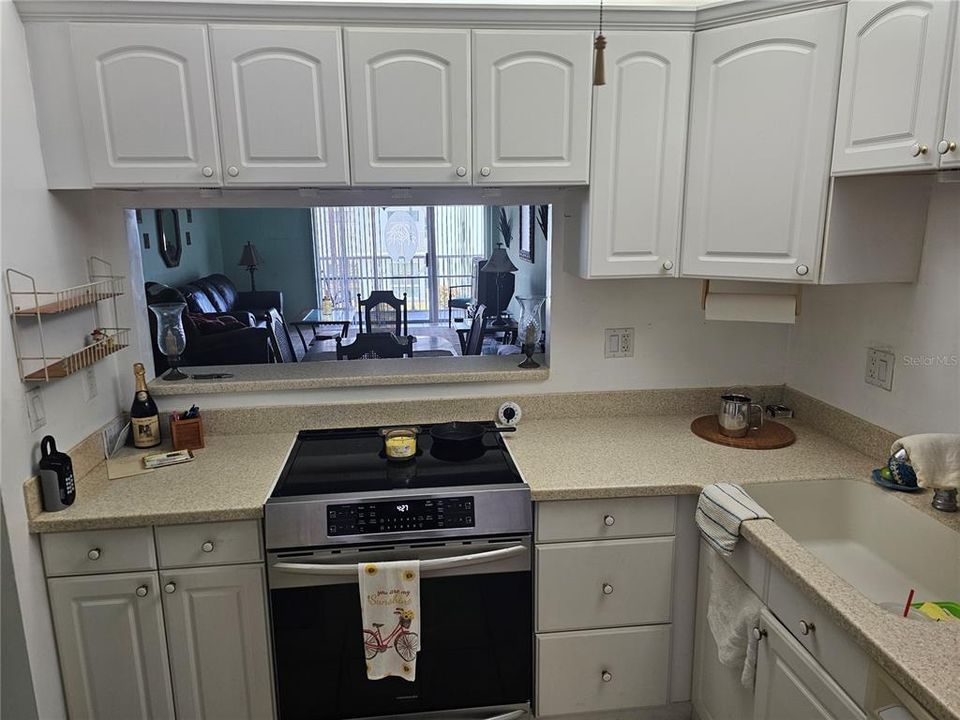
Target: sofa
x: 234, y: 336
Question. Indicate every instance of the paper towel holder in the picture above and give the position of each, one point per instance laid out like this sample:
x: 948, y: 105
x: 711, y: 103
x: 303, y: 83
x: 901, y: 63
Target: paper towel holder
x: 705, y: 290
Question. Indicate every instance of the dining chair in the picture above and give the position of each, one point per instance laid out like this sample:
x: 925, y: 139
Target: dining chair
x: 471, y: 341
x: 369, y: 346
x: 382, y: 311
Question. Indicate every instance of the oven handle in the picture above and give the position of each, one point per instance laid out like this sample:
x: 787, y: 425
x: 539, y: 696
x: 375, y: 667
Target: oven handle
x: 426, y: 566
x: 515, y: 715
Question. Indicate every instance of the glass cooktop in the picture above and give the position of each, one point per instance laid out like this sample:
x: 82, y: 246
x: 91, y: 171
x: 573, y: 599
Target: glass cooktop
x: 324, y: 462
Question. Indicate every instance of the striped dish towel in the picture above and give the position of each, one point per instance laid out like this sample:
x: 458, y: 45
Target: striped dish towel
x: 720, y: 510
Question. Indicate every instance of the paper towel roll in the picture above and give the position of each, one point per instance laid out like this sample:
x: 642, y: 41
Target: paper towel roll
x: 746, y: 307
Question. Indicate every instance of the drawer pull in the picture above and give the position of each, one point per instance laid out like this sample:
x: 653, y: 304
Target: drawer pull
x: 759, y: 634
x: 170, y: 588
x: 609, y: 520
x: 607, y: 589
x: 207, y: 546
x: 142, y: 591
x: 94, y: 554
x: 806, y: 627
x: 606, y: 676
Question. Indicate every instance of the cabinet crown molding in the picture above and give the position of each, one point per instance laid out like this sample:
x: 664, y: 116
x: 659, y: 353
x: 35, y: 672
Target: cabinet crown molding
x: 575, y: 14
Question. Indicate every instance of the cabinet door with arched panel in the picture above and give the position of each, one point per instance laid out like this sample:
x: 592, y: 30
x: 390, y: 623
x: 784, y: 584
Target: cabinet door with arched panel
x: 282, y: 108
x: 531, y: 106
x: 889, y: 113
x: 146, y: 103
x: 409, y: 97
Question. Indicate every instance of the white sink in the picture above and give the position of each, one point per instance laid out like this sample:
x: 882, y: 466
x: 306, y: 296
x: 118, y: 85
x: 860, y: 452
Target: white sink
x: 876, y: 542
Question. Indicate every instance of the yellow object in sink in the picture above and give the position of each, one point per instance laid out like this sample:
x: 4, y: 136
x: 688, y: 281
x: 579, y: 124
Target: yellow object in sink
x: 935, y: 612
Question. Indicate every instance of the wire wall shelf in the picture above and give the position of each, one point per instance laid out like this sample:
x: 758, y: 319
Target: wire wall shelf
x: 25, y: 302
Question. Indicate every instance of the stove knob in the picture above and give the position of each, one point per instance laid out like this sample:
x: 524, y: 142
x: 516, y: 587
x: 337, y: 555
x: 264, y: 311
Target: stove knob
x: 207, y: 546
x: 606, y: 676
x: 609, y: 520
x: 607, y: 589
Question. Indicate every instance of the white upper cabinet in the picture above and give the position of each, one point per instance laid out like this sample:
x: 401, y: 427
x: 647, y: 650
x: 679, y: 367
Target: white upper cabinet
x: 895, y: 59
x: 758, y: 161
x: 531, y: 106
x: 146, y: 103
x: 281, y: 104
x: 637, y: 160
x: 948, y: 146
x: 409, y: 95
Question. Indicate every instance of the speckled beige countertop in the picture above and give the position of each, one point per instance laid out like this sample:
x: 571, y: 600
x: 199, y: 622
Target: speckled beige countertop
x: 230, y: 479
x: 567, y: 459
x: 564, y: 459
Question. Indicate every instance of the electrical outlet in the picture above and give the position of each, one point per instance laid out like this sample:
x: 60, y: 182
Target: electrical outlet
x: 89, y: 384
x: 618, y: 342
x: 35, y: 411
x: 880, y: 368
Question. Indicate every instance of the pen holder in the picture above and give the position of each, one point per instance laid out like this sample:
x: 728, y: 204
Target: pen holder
x: 187, y: 434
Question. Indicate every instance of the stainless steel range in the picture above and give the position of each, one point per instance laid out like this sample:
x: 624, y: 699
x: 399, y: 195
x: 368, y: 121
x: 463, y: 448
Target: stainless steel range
x: 464, y: 512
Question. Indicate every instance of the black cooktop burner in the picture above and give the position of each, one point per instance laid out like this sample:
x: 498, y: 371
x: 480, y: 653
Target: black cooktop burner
x: 323, y: 462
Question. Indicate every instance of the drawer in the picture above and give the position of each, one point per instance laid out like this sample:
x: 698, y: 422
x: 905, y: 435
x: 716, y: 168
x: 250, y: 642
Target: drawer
x: 217, y: 543
x: 604, y: 584
x: 597, y: 670
x: 573, y: 520
x: 831, y: 646
x: 98, y: 551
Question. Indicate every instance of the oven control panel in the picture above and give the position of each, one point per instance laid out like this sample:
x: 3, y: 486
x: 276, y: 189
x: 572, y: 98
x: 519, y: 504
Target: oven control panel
x: 400, y: 516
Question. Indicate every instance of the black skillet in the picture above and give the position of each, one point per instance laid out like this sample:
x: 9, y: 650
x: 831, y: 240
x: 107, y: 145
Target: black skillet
x: 463, y: 434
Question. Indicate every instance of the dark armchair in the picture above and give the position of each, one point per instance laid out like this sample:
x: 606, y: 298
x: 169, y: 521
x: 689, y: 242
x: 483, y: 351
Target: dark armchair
x: 370, y: 346
x: 382, y: 311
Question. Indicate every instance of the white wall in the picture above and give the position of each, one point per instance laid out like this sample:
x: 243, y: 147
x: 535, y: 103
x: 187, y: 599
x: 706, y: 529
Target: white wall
x: 50, y: 236
x: 922, y: 320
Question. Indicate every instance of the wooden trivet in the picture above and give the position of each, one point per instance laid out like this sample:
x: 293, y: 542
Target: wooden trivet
x: 771, y: 436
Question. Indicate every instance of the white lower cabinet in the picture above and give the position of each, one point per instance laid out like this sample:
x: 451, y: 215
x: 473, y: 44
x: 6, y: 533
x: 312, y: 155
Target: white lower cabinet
x: 600, y: 670
x: 187, y: 642
x: 791, y: 685
x: 615, y: 581
x: 216, y: 620
x: 113, y: 657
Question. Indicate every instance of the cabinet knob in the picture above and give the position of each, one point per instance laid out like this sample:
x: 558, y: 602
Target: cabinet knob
x: 207, y: 546
x: 142, y: 591
x: 233, y: 171
x: 607, y: 589
x: 802, y: 270
x: 170, y: 588
x: 606, y: 676
x: 918, y: 149
x: 945, y: 146
x: 461, y: 171
x: 485, y: 171
x: 806, y: 627
x: 668, y: 264
x: 759, y: 634
x: 207, y: 171
x: 609, y: 520
x: 94, y: 554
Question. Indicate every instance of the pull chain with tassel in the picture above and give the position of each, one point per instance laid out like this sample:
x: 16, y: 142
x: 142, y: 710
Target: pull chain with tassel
x: 599, y: 44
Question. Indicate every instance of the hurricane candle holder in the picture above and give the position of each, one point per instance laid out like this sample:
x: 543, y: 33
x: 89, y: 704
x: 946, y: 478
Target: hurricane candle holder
x: 529, y: 328
x: 171, y: 339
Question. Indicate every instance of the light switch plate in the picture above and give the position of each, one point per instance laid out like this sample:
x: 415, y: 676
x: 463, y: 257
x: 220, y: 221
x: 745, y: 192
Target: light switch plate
x: 36, y: 413
x: 618, y: 343
x: 880, y: 368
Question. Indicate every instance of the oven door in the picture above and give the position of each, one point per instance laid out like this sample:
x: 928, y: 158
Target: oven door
x: 476, y: 630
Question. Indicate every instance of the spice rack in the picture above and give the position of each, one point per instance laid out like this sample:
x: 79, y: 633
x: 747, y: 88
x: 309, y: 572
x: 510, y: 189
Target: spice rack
x: 28, y: 304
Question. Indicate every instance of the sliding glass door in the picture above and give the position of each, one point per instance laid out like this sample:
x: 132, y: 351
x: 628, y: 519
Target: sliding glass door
x: 421, y: 251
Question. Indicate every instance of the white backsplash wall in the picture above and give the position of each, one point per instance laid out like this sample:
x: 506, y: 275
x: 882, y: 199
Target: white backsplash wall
x: 50, y: 236
x: 919, y: 322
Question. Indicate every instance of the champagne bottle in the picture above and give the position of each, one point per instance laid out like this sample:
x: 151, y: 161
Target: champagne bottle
x: 144, y: 417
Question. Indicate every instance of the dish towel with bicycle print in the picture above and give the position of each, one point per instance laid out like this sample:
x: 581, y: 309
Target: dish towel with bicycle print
x: 390, y: 605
